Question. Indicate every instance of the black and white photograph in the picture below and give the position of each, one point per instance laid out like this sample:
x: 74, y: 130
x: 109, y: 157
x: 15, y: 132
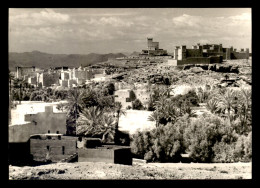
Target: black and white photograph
x: 130, y: 93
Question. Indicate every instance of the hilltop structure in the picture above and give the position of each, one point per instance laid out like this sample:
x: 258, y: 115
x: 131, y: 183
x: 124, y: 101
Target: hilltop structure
x: 206, y: 54
x: 153, y: 49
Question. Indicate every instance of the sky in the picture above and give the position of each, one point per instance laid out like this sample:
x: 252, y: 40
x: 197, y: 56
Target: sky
x: 114, y: 30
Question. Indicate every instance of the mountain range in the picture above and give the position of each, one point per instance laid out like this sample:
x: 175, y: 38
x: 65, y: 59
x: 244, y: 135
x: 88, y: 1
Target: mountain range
x: 45, y: 60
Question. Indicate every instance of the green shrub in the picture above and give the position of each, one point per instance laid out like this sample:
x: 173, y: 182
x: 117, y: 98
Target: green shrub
x: 243, y: 148
x: 164, y: 144
x: 224, y: 152
x: 201, y: 136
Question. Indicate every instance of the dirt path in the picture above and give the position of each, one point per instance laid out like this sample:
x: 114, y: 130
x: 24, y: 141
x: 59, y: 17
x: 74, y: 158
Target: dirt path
x: 89, y: 170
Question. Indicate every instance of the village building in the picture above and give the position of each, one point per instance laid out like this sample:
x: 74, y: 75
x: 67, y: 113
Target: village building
x: 41, y: 138
x: 52, y: 147
x: 25, y: 71
x: 60, y: 76
x: 37, y: 123
x: 127, y: 96
x: 153, y: 49
x: 205, y: 54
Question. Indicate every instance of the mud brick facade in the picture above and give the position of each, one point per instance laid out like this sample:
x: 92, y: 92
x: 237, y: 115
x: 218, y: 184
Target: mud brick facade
x: 51, y: 147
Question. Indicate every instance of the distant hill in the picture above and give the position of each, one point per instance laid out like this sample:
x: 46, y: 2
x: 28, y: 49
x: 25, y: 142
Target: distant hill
x: 45, y: 60
x: 131, y: 53
x: 135, y: 53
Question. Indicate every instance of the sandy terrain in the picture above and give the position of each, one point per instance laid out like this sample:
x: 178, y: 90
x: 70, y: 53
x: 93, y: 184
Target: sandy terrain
x: 89, y: 170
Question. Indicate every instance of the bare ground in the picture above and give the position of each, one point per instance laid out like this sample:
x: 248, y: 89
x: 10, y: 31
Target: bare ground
x: 100, y: 170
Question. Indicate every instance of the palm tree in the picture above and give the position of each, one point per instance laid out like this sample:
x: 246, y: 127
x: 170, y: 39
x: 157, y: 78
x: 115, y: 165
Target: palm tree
x: 186, y: 109
x: 227, y: 101
x: 154, y: 117
x: 94, y: 122
x: 19, y: 83
x: 89, y: 121
x: 161, y: 103
x: 11, y: 78
x: 244, y: 107
x: 212, y: 105
x: 118, y: 109
x: 108, y: 127
x: 74, y: 106
x: 166, y: 91
x: 165, y: 111
x: 75, y: 102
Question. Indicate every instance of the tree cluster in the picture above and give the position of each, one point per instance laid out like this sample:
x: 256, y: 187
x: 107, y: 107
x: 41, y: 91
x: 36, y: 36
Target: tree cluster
x: 224, y: 135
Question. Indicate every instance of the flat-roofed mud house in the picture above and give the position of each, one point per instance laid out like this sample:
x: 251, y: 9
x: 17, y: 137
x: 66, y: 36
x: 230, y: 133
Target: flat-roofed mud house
x: 47, y: 122
x: 52, y: 147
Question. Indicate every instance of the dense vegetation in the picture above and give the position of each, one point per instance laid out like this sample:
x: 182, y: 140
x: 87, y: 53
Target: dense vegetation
x: 224, y: 135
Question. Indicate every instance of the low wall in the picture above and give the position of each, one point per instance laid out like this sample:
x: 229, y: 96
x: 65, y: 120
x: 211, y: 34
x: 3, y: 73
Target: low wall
x: 239, y: 55
x: 216, y: 59
x: 117, y: 155
x: 171, y: 62
x: 95, y: 155
x: 194, y: 60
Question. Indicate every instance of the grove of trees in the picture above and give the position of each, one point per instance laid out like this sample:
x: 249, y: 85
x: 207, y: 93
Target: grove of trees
x: 222, y: 135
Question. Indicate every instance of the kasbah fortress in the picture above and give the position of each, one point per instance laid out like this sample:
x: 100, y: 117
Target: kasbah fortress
x: 41, y: 134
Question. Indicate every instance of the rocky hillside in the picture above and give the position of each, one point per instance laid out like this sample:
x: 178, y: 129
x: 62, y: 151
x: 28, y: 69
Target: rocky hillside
x: 100, y: 170
x: 45, y: 60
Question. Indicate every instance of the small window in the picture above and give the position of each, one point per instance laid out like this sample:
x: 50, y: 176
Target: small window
x: 59, y: 137
x: 57, y: 132
x: 48, y: 148
x: 63, y: 150
x: 49, y: 131
x: 49, y: 137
